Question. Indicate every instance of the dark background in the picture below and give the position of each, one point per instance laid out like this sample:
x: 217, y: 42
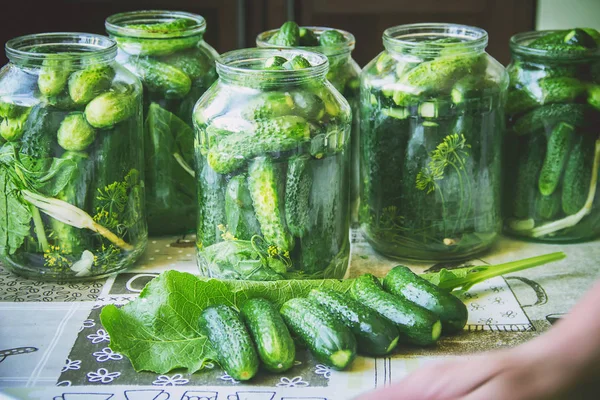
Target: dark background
x: 235, y: 23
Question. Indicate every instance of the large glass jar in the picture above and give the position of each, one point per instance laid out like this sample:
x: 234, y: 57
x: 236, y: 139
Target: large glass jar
x: 344, y: 75
x: 167, y: 51
x: 553, y: 111
x: 71, y: 160
x: 431, y: 133
x: 272, y: 163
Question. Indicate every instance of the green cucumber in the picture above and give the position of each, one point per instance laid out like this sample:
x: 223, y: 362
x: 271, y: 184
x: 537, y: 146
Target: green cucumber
x: 402, y: 282
x: 547, y: 207
x: 416, y: 324
x: 161, y: 77
x: 328, y: 339
x: 550, y: 115
x: 297, y: 195
x: 374, y: 334
x: 557, y: 154
x: 562, y: 89
x: 88, y: 83
x: 265, y: 189
x: 241, y: 221
x: 231, y: 341
x: 272, y: 338
x: 580, y: 37
x: 530, y: 161
x: 577, y: 176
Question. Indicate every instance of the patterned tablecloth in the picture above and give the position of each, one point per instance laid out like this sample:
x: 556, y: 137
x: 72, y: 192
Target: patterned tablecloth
x: 53, y: 346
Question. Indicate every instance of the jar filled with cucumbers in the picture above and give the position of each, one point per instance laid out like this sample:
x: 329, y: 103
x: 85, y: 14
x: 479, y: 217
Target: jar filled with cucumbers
x: 432, y: 123
x: 167, y: 51
x: 71, y: 164
x: 272, y: 165
x: 553, y: 118
x: 343, y: 74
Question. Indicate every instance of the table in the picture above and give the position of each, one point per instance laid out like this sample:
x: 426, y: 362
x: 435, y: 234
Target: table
x: 52, y: 345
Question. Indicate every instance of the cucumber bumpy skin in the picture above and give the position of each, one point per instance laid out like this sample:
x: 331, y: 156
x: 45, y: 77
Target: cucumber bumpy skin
x: 231, y: 341
x: 264, y: 190
x: 110, y: 108
x: 402, y: 282
x: 550, y: 115
x: 297, y: 195
x: 241, y: 219
x: 557, y: 154
x: 374, y: 334
x: 161, y: 77
x: 273, y: 341
x: 88, y: 83
x: 530, y: 162
x: 416, y: 324
x: 329, y: 340
x: 576, y: 180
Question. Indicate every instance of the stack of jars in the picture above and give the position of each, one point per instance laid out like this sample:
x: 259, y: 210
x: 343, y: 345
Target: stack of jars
x: 269, y: 153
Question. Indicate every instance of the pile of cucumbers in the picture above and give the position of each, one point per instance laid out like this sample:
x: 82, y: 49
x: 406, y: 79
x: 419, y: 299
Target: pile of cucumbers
x: 553, y: 112
x: 371, y: 320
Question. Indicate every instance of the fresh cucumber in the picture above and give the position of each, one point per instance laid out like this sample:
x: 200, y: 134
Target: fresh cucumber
x: 272, y: 338
x: 562, y: 89
x: 297, y: 195
x: 550, y: 115
x: 265, y: 189
x: 161, y: 77
x: 231, y: 341
x: 374, y: 334
x: 577, y: 176
x: 547, y: 207
x: 417, y: 324
x: 329, y: 339
x: 402, y: 282
x: 241, y: 220
x: 530, y: 161
x: 557, y: 153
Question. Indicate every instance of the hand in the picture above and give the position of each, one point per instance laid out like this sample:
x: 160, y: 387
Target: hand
x: 517, y: 374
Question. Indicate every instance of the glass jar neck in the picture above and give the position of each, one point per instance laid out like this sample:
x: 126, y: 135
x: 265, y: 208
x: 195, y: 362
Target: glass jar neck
x: 431, y: 40
x: 246, y: 68
x: 79, y: 49
x: 520, y: 50
x: 335, y: 52
x: 156, y: 24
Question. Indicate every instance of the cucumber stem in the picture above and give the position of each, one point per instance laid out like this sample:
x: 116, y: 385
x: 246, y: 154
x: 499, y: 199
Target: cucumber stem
x: 183, y: 164
x: 482, y: 273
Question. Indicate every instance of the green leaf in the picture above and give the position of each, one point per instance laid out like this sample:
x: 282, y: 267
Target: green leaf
x: 158, y: 331
x: 165, y: 136
x: 465, y: 278
x: 15, y: 216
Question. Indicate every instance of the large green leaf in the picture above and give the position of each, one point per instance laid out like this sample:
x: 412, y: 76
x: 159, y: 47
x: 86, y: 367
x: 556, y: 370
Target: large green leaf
x: 158, y: 331
x: 15, y: 216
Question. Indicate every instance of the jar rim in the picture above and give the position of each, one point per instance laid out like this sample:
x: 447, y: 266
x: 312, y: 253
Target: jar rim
x: 230, y: 65
x: 402, y: 38
x: 519, y: 45
x: 262, y: 40
x: 80, y: 45
x: 117, y: 24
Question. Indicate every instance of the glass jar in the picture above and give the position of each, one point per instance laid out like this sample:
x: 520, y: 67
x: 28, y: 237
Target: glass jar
x: 272, y: 163
x: 71, y: 161
x: 344, y: 75
x: 167, y: 51
x: 553, y: 114
x: 431, y: 133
